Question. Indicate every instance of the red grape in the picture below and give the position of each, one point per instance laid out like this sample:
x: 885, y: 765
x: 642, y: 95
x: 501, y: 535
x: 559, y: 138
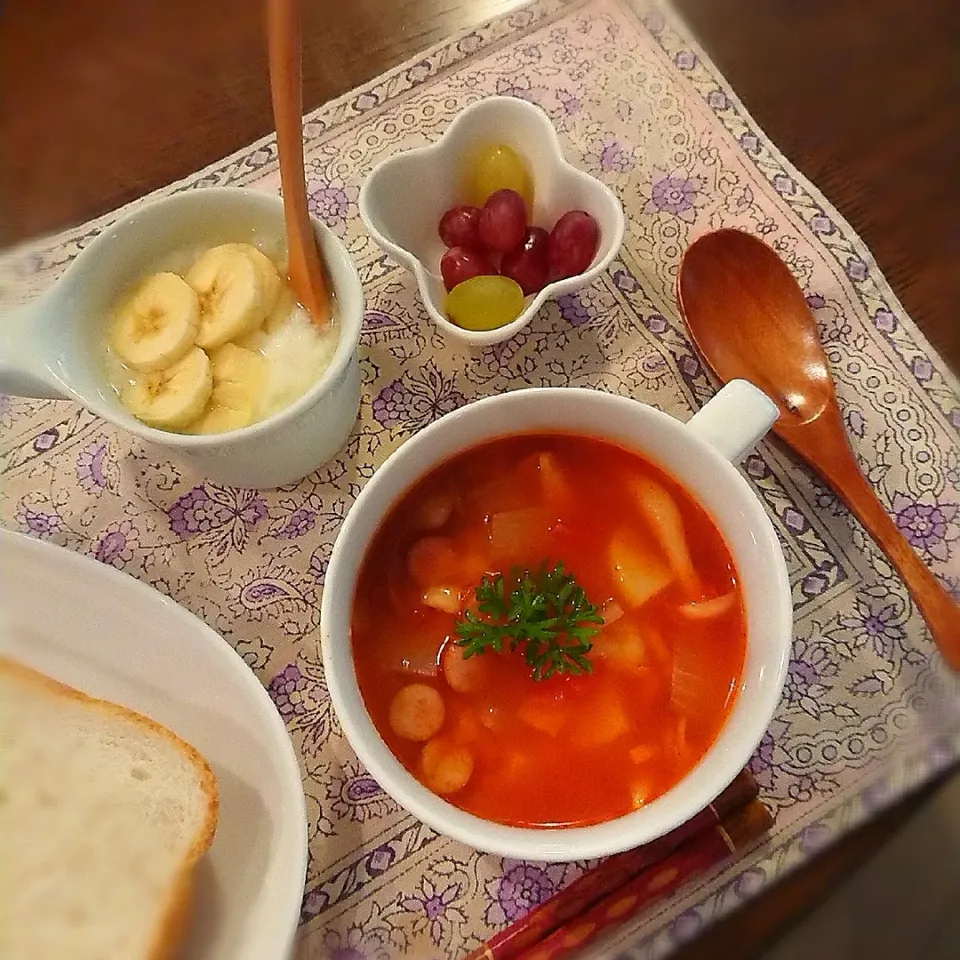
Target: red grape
x: 503, y: 220
x: 573, y: 244
x: 528, y: 263
x: 463, y: 263
x: 458, y: 226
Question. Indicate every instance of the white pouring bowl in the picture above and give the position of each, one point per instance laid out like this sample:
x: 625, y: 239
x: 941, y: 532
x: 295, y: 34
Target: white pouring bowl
x: 55, y: 346
x: 700, y: 455
x: 402, y: 200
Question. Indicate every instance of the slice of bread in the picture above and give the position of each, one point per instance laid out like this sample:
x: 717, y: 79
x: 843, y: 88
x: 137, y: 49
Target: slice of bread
x: 103, y: 816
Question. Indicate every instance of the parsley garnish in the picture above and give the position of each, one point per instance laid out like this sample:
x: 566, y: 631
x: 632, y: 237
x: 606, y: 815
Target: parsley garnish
x: 547, y: 611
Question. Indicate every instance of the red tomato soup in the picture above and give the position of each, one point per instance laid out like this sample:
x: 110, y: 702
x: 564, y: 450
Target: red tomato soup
x: 664, y: 663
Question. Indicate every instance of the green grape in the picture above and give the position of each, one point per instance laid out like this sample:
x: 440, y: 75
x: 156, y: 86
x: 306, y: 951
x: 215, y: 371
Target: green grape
x: 485, y: 302
x: 494, y: 167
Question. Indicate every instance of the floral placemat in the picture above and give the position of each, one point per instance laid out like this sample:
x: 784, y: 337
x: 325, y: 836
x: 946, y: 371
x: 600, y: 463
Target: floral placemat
x: 637, y: 104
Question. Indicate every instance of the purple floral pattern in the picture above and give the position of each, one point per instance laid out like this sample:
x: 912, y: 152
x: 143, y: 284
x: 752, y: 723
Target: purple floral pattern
x: 117, y: 544
x: 573, y: 310
x: 354, y: 795
x: 219, y: 516
x: 569, y: 102
x: 300, y: 522
x: 676, y: 194
x: 435, y: 909
x: 522, y: 886
x: 331, y: 200
x: 612, y: 155
x: 767, y: 762
x: 300, y: 694
x: 95, y: 470
x: 808, y: 679
x: 37, y: 522
x: 877, y: 622
x: 412, y: 401
x: 930, y: 528
x: 371, y: 934
x: 253, y: 564
x: 287, y: 689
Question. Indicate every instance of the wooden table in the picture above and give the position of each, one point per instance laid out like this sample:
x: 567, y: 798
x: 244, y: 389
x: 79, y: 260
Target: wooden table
x: 102, y: 101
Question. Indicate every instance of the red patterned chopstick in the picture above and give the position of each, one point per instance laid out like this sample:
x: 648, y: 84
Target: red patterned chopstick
x: 609, y: 876
x: 736, y: 832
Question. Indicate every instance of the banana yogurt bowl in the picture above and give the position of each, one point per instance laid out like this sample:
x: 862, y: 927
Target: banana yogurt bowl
x: 214, y: 340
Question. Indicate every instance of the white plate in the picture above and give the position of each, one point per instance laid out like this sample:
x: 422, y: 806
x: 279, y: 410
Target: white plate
x: 111, y: 636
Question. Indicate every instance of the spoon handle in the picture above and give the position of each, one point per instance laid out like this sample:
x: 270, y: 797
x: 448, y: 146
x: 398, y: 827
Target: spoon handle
x: 286, y: 89
x: 823, y: 443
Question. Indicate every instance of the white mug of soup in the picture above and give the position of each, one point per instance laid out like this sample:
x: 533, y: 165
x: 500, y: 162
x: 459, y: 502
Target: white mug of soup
x: 671, y: 572
x: 60, y: 345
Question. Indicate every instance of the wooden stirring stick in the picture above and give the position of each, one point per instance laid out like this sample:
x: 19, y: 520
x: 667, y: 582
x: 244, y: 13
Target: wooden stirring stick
x: 286, y: 88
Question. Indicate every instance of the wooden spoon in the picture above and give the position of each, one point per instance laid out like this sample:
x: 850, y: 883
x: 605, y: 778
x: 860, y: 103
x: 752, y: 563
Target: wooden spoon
x: 749, y: 319
x: 284, y: 19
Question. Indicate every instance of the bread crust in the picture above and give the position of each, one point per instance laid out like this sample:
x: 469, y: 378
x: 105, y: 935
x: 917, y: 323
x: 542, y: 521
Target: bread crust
x: 175, y: 912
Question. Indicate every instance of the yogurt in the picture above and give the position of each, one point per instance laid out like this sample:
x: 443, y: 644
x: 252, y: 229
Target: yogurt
x: 297, y: 353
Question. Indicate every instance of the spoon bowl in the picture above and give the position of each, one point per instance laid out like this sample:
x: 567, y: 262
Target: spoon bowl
x: 749, y: 319
x: 729, y: 273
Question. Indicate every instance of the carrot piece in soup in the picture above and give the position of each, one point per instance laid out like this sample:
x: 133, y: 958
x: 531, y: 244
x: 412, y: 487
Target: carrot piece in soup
x: 446, y: 767
x: 493, y: 717
x: 549, y: 477
x: 553, y: 479
x: 643, y: 752
x: 473, y: 566
x: 543, y: 713
x: 504, y: 492
x: 473, y: 544
x: 416, y: 712
x: 661, y: 512
x: 606, y: 722
x: 466, y: 727
x: 637, y: 574
x: 433, y: 560
x: 516, y: 764
x: 515, y: 534
x: 463, y: 674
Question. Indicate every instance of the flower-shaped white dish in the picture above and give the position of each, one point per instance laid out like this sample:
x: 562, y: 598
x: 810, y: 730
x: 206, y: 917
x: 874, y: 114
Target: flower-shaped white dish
x: 402, y: 200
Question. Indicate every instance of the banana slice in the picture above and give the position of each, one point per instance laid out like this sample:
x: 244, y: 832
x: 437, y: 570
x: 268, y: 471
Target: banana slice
x: 282, y: 309
x: 269, y: 278
x: 238, y: 378
x: 158, y: 324
x: 231, y: 295
x: 252, y: 341
x: 172, y: 398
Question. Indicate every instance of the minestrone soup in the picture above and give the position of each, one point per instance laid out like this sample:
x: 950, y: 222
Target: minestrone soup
x: 548, y: 631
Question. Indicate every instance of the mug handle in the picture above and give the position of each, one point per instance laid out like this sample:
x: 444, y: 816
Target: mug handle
x: 735, y: 420
x: 24, y: 368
